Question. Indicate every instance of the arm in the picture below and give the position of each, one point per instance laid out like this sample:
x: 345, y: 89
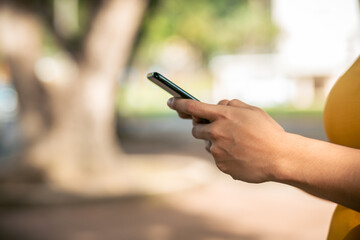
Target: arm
x: 249, y: 145
x: 323, y: 169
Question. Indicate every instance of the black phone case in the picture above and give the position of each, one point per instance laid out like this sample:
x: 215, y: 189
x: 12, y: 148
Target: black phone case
x: 169, y: 86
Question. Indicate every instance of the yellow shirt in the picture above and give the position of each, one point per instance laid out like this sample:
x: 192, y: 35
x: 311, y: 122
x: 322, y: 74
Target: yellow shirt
x: 342, y: 126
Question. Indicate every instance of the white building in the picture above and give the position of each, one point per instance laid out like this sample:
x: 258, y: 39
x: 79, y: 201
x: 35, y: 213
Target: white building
x: 317, y: 41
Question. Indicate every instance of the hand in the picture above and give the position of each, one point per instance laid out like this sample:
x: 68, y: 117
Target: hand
x: 245, y: 142
x: 250, y: 146
x: 207, y: 142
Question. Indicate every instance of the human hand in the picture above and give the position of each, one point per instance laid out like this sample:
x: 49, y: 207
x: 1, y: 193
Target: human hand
x: 245, y: 142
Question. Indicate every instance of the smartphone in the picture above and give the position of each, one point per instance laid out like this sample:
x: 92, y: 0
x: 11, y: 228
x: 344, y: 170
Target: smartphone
x: 169, y: 86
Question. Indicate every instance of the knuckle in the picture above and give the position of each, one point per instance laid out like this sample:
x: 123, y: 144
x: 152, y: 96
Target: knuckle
x: 223, y: 102
x: 215, y: 151
x: 214, y: 132
x: 233, y: 102
x: 222, y: 166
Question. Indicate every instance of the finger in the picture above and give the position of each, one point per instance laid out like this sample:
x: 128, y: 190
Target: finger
x: 201, y: 131
x: 208, y: 146
x: 237, y: 103
x: 181, y: 114
x: 184, y: 116
x: 223, y: 102
x: 195, y: 108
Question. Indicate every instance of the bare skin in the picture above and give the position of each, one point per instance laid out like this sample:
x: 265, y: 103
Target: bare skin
x: 250, y: 146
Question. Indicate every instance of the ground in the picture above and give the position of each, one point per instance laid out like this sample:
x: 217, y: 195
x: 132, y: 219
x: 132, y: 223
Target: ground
x: 219, y: 209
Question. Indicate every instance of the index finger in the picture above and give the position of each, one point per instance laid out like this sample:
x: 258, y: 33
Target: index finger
x: 195, y: 108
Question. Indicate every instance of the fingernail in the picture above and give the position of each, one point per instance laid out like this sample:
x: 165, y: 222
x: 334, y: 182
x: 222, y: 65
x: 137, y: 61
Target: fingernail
x: 170, y: 102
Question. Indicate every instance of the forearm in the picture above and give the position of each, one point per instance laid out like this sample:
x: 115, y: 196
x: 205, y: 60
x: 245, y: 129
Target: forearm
x: 323, y: 169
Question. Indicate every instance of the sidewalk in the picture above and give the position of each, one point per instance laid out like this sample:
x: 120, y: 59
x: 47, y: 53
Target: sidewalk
x: 222, y: 209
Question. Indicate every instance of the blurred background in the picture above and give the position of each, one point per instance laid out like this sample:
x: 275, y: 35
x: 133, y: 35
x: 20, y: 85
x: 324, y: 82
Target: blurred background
x: 88, y: 148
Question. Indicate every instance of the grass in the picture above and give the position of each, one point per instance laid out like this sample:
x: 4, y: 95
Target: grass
x: 291, y: 112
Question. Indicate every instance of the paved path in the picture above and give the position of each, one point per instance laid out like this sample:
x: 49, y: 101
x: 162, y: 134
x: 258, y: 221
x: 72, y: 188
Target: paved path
x: 222, y: 209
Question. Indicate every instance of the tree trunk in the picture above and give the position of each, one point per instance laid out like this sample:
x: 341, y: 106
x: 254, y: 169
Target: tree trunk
x: 20, y: 45
x: 77, y: 144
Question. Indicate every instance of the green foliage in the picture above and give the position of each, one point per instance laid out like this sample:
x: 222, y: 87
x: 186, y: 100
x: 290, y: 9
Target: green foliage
x: 213, y: 27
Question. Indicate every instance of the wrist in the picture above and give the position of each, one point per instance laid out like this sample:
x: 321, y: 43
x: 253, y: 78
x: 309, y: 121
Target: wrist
x: 289, y: 163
